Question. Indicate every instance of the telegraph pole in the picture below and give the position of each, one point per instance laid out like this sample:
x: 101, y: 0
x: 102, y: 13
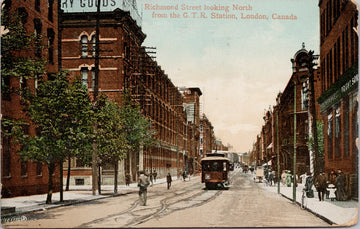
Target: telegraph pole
x: 95, y: 175
x: 277, y: 149
x: 294, y: 157
x: 317, y: 165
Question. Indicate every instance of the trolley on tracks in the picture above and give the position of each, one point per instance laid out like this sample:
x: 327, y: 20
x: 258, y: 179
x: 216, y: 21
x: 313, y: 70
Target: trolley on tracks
x: 215, y: 169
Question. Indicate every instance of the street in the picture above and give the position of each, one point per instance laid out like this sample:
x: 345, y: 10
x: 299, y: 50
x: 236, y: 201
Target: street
x: 185, y: 204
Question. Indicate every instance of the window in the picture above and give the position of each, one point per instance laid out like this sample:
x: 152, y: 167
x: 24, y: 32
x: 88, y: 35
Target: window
x: 79, y: 182
x: 37, y: 5
x: 84, y: 75
x: 38, y: 169
x: 337, y: 132
x: 346, y: 125
x: 329, y: 136
x: 5, y: 88
x: 37, y: 30
x: 93, y: 45
x: 304, y: 96
x: 22, y: 82
x: 51, y: 38
x: 93, y: 79
x: 23, y: 169
x: 6, y: 162
x: 84, y: 46
x: 23, y: 15
x: 50, y: 10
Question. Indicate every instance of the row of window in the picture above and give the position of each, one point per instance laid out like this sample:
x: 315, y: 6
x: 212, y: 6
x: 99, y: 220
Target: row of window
x: 7, y: 162
x: 329, y: 16
x: 340, y: 57
x: 339, y: 129
x: 38, y: 31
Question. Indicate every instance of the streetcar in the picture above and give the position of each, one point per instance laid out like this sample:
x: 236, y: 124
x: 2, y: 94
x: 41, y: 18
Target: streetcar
x: 215, y: 169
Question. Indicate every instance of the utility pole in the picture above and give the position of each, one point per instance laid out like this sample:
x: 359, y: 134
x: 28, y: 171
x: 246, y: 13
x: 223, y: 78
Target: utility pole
x: 294, y: 157
x: 95, y: 175
x: 277, y: 149
x: 317, y: 165
x: 59, y: 19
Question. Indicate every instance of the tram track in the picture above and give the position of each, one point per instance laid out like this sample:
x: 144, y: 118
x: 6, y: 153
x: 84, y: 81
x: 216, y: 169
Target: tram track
x: 189, y: 197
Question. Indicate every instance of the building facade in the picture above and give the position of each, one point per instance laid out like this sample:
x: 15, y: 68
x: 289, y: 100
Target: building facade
x: 24, y: 177
x: 207, y: 136
x: 191, y: 103
x: 126, y: 65
x: 339, y: 90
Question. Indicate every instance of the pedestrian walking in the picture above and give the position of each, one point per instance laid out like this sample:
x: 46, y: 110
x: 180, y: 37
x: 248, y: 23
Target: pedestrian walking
x: 143, y: 184
x: 155, y: 175
x: 309, y: 182
x: 151, y: 177
x: 168, y: 180
x: 127, y: 179
x: 340, y: 186
x: 271, y: 177
x: 320, y: 185
x: 184, y: 175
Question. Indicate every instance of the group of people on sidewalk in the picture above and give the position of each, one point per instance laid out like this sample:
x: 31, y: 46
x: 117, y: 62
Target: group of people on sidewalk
x: 333, y: 188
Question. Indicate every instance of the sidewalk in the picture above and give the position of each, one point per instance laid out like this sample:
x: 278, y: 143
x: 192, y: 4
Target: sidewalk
x: 77, y: 194
x: 342, y: 213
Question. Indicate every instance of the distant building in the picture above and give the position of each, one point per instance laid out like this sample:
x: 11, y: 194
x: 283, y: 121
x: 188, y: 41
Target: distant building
x: 191, y: 104
x: 206, y: 136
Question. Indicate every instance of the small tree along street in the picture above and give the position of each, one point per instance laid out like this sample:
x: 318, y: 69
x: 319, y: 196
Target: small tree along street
x: 62, y: 113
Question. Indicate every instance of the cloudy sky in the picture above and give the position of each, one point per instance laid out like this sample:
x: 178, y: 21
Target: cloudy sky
x: 239, y: 65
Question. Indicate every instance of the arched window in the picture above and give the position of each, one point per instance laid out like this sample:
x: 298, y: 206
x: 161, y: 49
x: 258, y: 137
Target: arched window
x: 50, y: 10
x: 84, y: 77
x: 84, y: 46
x: 93, y: 44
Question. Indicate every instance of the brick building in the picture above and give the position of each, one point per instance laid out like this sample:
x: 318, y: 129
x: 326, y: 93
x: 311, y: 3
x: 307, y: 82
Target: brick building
x: 339, y: 91
x: 206, y: 136
x: 125, y: 65
x: 27, y: 178
x: 191, y: 102
x: 265, y: 148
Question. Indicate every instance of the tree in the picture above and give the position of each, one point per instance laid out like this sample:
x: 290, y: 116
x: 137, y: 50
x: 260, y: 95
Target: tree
x: 138, y: 129
x: 62, y: 113
x: 110, y: 138
x: 16, y: 44
x: 320, y: 143
x: 120, y: 131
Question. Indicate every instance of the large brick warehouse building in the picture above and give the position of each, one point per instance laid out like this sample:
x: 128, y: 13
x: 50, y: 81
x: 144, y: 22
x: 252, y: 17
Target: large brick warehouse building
x: 20, y: 177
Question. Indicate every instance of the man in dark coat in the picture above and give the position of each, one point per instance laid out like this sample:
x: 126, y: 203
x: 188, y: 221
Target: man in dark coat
x: 143, y: 184
x: 320, y: 185
x: 340, y: 186
x: 168, y: 180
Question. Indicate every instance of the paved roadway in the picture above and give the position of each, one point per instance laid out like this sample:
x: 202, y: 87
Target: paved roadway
x: 186, y: 204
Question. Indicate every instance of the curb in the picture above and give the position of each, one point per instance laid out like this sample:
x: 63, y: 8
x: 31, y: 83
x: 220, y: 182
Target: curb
x: 311, y: 211
x: 70, y: 202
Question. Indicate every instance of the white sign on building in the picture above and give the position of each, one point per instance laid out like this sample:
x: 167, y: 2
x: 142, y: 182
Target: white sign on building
x: 82, y: 6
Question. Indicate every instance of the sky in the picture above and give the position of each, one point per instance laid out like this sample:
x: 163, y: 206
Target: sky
x: 240, y: 65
